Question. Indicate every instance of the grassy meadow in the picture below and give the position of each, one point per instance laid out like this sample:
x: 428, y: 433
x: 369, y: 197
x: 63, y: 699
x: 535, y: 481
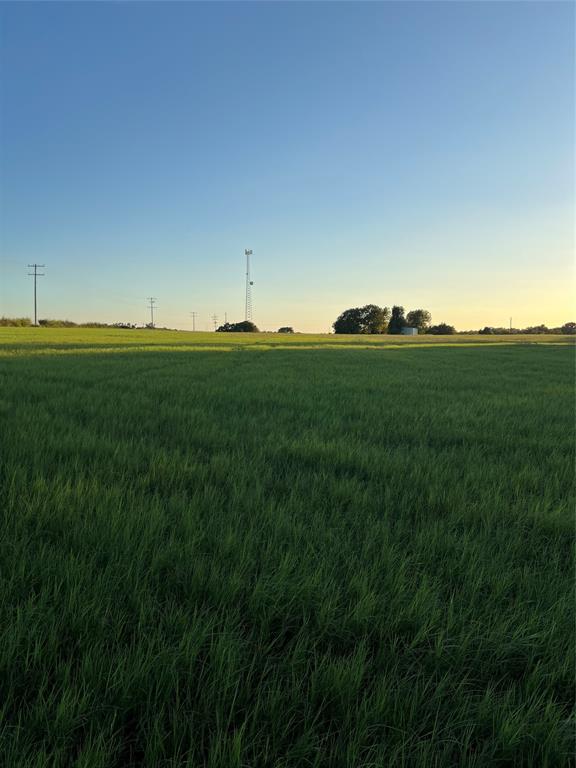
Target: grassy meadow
x: 264, y: 551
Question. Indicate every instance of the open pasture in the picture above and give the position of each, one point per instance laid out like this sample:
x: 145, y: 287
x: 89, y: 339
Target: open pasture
x: 73, y: 340
x: 270, y: 551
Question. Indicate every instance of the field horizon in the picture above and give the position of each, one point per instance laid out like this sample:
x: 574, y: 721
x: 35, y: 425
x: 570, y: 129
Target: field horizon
x: 24, y: 339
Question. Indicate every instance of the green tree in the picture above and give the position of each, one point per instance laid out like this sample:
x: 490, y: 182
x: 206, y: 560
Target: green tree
x: 569, y: 328
x: 419, y: 318
x: 397, y: 320
x: 246, y: 326
x: 443, y: 329
x: 375, y: 318
x: 367, y: 319
x: 348, y: 322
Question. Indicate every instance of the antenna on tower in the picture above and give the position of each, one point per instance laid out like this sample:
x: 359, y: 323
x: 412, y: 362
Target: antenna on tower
x: 249, y: 284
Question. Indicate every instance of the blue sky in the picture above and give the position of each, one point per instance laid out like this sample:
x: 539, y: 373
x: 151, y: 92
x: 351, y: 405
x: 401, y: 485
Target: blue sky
x: 411, y: 153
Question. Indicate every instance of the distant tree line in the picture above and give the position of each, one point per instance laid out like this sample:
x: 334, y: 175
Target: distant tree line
x: 246, y: 326
x: 15, y: 322
x: 368, y: 319
x: 373, y: 319
x: 566, y: 329
x: 23, y: 322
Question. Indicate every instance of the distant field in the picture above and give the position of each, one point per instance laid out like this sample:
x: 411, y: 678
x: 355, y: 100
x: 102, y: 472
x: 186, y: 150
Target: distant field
x: 265, y: 551
x: 74, y: 339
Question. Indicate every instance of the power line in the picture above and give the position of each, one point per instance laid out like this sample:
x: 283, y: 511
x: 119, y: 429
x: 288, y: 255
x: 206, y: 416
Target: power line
x: 215, y: 321
x: 35, y: 275
x: 193, y: 315
x: 249, y: 284
x: 151, y: 302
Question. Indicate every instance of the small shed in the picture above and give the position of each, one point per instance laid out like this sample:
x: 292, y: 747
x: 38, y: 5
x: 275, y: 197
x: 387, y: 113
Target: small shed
x: 407, y: 331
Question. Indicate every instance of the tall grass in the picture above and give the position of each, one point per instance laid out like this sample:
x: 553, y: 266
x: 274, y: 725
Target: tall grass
x: 286, y: 557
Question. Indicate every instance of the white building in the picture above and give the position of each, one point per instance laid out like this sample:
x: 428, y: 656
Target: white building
x: 406, y: 331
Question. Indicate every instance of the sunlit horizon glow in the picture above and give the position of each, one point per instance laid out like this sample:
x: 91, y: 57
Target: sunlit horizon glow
x: 419, y: 154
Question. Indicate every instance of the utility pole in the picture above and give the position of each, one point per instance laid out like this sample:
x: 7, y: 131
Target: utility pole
x: 215, y: 321
x: 510, y: 325
x: 193, y: 315
x: 151, y: 303
x: 35, y: 275
x: 226, y: 317
x: 249, y: 284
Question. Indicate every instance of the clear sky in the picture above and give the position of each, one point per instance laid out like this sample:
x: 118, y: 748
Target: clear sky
x: 393, y: 153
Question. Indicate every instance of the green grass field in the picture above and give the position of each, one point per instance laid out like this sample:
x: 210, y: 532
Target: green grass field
x: 285, y: 552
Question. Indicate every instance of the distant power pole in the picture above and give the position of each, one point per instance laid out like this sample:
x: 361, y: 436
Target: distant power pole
x: 193, y: 314
x: 215, y: 321
x: 226, y: 317
x: 510, y: 325
x: 249, y: 284
x: 151, y: 303
x: 35, y: 275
